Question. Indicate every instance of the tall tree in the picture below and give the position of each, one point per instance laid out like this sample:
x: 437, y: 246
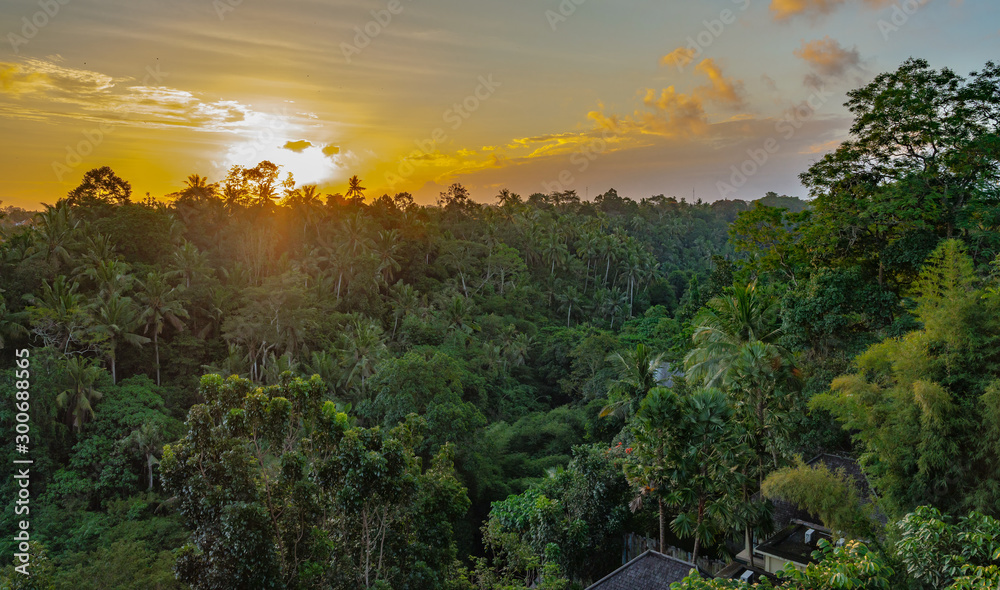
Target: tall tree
x: 118, y: 317
x: 81, y: 393
x: 685, y: 455
x: 160, y: 303
x: 101, y: 185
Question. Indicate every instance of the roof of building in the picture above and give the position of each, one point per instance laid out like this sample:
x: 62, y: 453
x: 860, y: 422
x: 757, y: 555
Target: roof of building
x: 735, y: 571
x: 790, y: 543
x: 787, y: 512
x: 650, y: 571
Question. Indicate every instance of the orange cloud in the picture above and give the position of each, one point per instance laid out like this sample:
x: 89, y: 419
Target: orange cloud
x: 783, y: 10
x: 670, y: 113
x: 34, y: 75
x: 828, y: 57
x: 679, y: 57
x: 722, y: 89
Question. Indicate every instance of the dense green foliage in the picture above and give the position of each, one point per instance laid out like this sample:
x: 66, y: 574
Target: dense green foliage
x: 256, y: 385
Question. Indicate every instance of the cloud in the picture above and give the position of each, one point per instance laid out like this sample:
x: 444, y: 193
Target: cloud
x: 783, y: 10
x: 34, y: 76
x: 722, y: 89
x: 828, y: 57
x: 670, y: 113
x: 830, y: 60
x: 46, y: 91
x: 769, y: 82
x: 297, y: 146
x: 679, y: 57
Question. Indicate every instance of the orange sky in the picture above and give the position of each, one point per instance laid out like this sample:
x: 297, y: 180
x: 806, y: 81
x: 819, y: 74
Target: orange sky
x: 721, y: 98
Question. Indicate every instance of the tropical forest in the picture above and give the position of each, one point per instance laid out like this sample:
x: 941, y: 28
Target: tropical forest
x: 249, y: 383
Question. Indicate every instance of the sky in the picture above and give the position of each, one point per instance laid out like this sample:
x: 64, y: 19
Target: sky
x: 694, y: 99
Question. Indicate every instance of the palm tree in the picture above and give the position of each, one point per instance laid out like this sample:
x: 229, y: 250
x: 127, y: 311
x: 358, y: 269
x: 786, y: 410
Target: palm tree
x: 355, y: 231
x: 459, y: 257
x: 57, y: 314
x: 118, y: 317
x: 79, y: 397
x: 197, y: 188
x: 308, y: 206
x: 361, y: 348
x: 386, y: 249
x: 457, y: 316
x: 555, y: 251
x: 55, y: 231
x: 727, y: 323
x: 639, y: 371
x: 516, y: 346
x: 736, y: 347
x: 190, y: 262
x: 325, y: 365
x: 354, y: 189
x: 10, y: 324
x: 405, y: 300
x: 569, y: 299
x: 160, y: 304
x: 506, y: 198
x: 147, y: 440
x: 99, y: 247
x: 110, y: 275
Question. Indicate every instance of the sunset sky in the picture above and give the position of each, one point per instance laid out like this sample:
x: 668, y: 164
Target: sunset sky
x: 646, y: 96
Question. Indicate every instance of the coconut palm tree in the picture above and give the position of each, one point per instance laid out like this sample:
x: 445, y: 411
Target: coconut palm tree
x: 110, y: 275
x: 58, y: 314
x: 160, y: 304
x: 190, y: 262
x: 147, y: 440
x: 10, y: 324
x: 79, y: 397
x: 354, y: 189
x: 727, y: 323
x: 361, y: 347
x: 736, y: 348
x: 55, y: 231
x: 570, y: 299
x: 387, y: 252
x: 555, y: 251
x: 118, y: 318
x: 639, y: 371
x: 405, y: 300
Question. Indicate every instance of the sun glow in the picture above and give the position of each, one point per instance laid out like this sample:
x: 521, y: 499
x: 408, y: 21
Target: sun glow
x: 280, y: 138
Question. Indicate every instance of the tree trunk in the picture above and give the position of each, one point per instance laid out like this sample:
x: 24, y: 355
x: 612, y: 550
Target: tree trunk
x: 156, y: 349
x: 663, y: 527
x: 697, y: 536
